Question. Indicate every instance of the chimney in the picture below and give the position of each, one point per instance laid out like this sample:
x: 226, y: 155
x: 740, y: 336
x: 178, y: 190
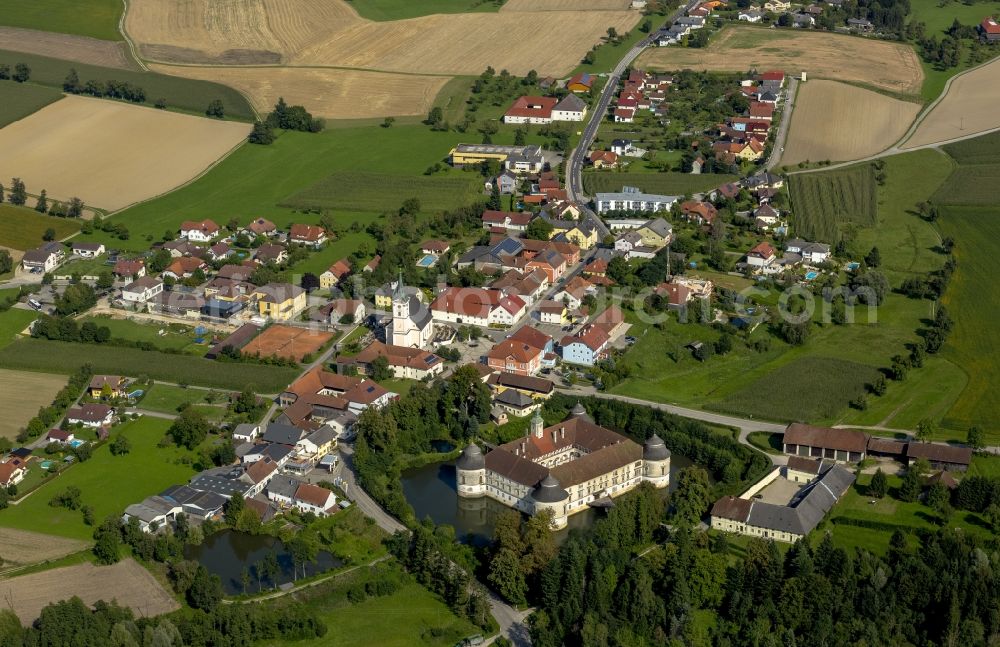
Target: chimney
x: 555, y: 436
x: 562, y: 432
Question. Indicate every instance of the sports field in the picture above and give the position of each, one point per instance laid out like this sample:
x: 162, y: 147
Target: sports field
x: 326, y: 92
x: 146, y: 470
x: 840, y: 122
x: 331, y: 33
x: 287, y: 342
x: 65, y: 46
x: 142, y: 152
x: 22, y: 99
x: 22, y: 394
x: 126, y: 582
x: 969, y: 107
x: 885, y: 65
x: 826, y: 203
x: 65, y: 357
x: 22, y: 228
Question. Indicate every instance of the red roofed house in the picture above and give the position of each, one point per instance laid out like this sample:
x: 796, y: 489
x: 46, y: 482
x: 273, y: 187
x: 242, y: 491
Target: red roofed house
x: 513, y: 356
x: 604, y: 159
x: 624, y: 115
x: 309, y: 235
x: 507, y: 220
x: 700, y: 212
x: 676, y: 294
x: 91, y: 415
x: 582, y: 82
x: 761, y: 110
x: 313, y: 498
x: 586, y: 347
x: 761, y: 256
x: 530, y: 110
x: 11, y: 473
x: 477, y: 306
x: 989, y: 30
x: 549, y: 261
x: 334, y: 274
x: 773, y: 75
x: 199, y: 232
x: 60, y: 436
x: 597, y: 267
x: 435, y: 247
x: 130, y: 269
x: 184, y: 267
x: 262, y: 227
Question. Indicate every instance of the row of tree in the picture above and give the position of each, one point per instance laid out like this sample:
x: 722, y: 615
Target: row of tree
x: 50, y: 415
x: 111, y: 88
x: 20, y: 74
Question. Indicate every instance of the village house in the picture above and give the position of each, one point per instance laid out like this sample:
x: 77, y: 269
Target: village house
x: 112, y: 386
x: 88, y: 250
x: 184, y: 267
x: 761, y: 257
x: 630, y: 245
x: 43, y: 259
x: 60, y: 436
x: 603, y: 159
x: 537, y: 388
x: 586, y: 347
x: 199, y: 232
x: 700, y: 212
x: 656, y: 233
x: 517, y: 159
x: 477, y: 306
x: 569, y: 108
x: 312, y: 236
x: 989, y: 30
x: 581, y: 82
x: 506, y: 220
x: 129, y: 269
x: 405, y: 362
x: 318, y: 397
x: 219, y: 251
x: 506, y: 183
x: 529, y: 285
x: 142, y: 290
x: 340, y: 310
x: 261, y: 227
x: 751, y: 16
x: 271, y: 254
x: 334, y: 274
x: 530, y: 110
x: 12, y: 472
x: 91, y: 415
x: 179, y: 248
x: 280, y: 301
x: 814, y: 253
x: 552, y: 312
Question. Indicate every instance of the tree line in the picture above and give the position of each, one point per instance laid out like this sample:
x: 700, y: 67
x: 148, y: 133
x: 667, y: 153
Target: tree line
x: 48, y: 416
x: 284, y: 117
x: 111, y: 88
x: 18, y: 196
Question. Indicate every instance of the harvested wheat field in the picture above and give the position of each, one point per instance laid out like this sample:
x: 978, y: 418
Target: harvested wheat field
x: 127, y: 582
x: 287, y: 342
x: 330, y: 33
x: 565, y: 5
x: 839, y: 122
x: 112, y: 154
x: 22, y: 394
x: 71, y: 48
x: 969, y: 107
x: 881, y: 64
x: 327, y: 92
x: 19, y: 547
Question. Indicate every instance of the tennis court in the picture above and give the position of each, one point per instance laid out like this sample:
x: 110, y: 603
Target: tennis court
x: 287, y: 342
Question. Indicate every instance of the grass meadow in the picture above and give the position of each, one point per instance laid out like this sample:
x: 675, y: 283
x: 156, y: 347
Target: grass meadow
x: 176, y: 337
x: 825, y: 203
x: 970, y: 185
x: 22, y: 99
x: 65, y: 357
x: 385, y: 10
x: 12, y: 322
x: 167, y: 398
x: 93, y: 18
x: 186, y: 95
x: 662, y: 183
x: 107, y: 483
x: 22, y: 227
x: 939, y: 16
x: 379, y: 192
x: 979, y: 150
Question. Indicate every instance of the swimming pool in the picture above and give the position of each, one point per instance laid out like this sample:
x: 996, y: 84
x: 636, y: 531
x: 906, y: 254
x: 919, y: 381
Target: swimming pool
x: 46, y: 465
x: 853, y: 266
x: 427, y: 260
x: 76, y: 442
x: 810, y: 275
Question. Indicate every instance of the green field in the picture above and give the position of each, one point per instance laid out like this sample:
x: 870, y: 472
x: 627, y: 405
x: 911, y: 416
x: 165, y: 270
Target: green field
x: 167, y: 398
x: 973, y: 298
x: 85, y: 266
x: 383, y: 10
x: 254, y: 180
x: 23, y: 99
x: 971, y: 185
x: 22, y: 227
x: 662, y: 183
x: 607, y: 55
x: 177, y: 336
x: 320, y: 261
x: 107, y: 483
x: 825, y: 203
x: 810, y: 388
x: 12, y: 322
x: 182, y: 94
x: 94, y: 18
x: 378, y: 192
x: 64, y: 357
x: 939, y: 15
x: 979, y: 150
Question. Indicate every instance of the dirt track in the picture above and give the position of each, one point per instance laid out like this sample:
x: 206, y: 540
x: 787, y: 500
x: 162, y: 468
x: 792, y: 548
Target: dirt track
x: 127, y: 582
x: 112, y: 154
x: 840, y: 122
x: 71, y: 48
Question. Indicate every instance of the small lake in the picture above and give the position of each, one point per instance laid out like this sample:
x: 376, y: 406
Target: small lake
x: 432, y: 492
x: 227, y: 552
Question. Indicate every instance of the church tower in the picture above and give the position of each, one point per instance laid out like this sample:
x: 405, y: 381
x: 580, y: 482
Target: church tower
x: 400, y: 303
x: 537, y: 424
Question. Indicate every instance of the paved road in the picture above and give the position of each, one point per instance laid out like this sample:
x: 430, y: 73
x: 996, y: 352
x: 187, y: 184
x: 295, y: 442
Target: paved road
x: 574, y: 166
x: 786, y: 119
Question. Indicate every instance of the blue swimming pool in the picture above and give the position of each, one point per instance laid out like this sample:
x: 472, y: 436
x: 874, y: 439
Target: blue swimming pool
x: 853, y: 266
x: 76, y: 442
x: 46, y: 465
x: 810, y: 275
x: 427, y: 260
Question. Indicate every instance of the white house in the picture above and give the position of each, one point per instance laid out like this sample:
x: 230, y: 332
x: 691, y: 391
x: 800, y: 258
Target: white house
x: 632, y: 199
x: 44, y: 259
x: 622, y: 146
x: 750, y: 16
x: 570, y: 108
x: 11, y: 473
x: 88, y: 250
x: 91, y: 415
x: 313, y: 498
x: 199, y: 232
x: 245, y: 433
x: 586, y: 347
x: 477, y: 307
x: 761, y: 256
x: 142, y: 290
x: 814, y: 253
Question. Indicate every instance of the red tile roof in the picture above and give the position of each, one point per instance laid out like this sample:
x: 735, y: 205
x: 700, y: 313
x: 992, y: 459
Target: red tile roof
x: 500, y: 217
x: 129, y: 267
x: 764, y: 250
x: 537, y: 107
x: 306, y: 233
x: 207, y: 227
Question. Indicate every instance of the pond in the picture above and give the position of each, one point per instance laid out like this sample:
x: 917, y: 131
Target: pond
x: 227, y: 552
x: 431, y: 491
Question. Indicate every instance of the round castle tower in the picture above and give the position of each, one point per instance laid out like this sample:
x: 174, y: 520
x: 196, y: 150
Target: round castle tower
x: 656, y: 462
x: 550, y: 495
x: 470, y: 472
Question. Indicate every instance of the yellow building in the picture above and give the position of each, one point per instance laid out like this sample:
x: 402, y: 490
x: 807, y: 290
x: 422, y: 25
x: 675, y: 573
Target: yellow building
x: 464, y: 154
x: 583, y: 237
x: 655, y: 233
x: 280, y: 301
